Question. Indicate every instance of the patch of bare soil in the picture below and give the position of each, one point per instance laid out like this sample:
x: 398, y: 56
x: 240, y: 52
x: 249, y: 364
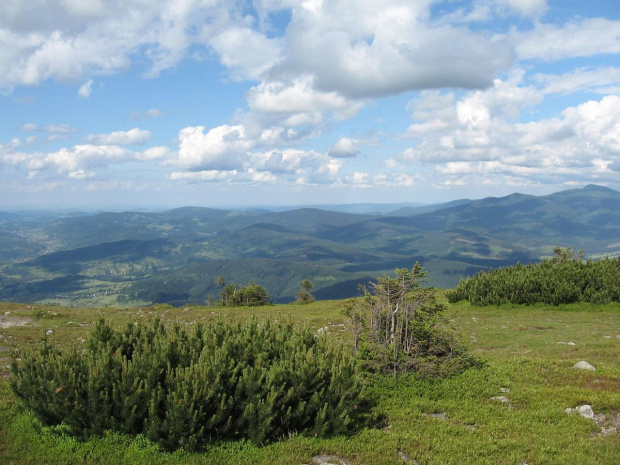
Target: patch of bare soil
x: 9, y: 321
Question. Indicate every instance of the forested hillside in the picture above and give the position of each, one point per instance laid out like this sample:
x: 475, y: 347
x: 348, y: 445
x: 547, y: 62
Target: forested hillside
x: 175, y: 256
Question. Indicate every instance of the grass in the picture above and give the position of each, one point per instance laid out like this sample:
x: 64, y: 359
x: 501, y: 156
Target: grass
x: 519, y: 347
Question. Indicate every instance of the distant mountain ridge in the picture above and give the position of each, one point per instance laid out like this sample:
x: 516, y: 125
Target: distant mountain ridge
x: 130, y: 255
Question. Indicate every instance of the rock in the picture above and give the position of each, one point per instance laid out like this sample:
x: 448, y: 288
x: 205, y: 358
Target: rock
x: 571, y: 344
x: 586, y: 411
x: 440, y: 416
x: 328, y: 460
x: 48, y: 332
x: 504, y: 390
x: 608, y: 431
x: 502, y: 399
x: 583, y: 365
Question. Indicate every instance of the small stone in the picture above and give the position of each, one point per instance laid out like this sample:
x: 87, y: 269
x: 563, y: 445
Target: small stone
x: 502, y: 399
x: 571, y: 344
x: 327, y: 460
x: 439, y: 416
x: 48, y: 332
x: 607, y: 337
x: 504, y: 390
x: 586, y: 411
x: 583, y: 365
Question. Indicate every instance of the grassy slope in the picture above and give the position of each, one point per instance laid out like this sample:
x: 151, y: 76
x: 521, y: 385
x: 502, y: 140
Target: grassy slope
x: 518, y: 344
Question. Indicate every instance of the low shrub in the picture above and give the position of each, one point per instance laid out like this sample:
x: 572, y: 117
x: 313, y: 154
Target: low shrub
x: 562, y: 280
x: 187, y: 387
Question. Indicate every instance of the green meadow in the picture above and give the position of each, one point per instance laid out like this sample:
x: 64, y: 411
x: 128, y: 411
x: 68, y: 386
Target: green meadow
x: 525, y: 357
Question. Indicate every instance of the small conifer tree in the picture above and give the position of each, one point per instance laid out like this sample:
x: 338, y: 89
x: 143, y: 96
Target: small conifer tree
x: 304, y: 296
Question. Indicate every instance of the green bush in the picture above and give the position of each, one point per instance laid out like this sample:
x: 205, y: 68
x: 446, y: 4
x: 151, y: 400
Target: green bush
x: 252, y: 295
x: 186, y: 388
x: 561, y: 280
x: 397, y: 331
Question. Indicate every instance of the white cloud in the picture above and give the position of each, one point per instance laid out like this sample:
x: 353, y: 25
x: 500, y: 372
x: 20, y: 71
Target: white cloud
x: 206, y: 176
x: 247, y: 52
x: 86, y: 89
x: 530, y: 8
x: 151, y: 113
x: 601, y: 80
x: 578, y: 38
x: 155, y: 153
x: 132, y: 137
x: 59, y: 129
x: 298, y: 97
x: 371, y: 49
x: 221, y: 148
x: 76, y: 162
x: 475, y: 142
x: 72, y: 39
x: 344, y: 148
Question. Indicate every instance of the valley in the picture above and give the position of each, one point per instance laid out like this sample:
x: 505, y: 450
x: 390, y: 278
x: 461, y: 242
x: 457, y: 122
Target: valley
x: 176, y: 256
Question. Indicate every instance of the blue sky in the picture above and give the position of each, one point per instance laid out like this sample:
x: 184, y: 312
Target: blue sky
x: 164, y: 103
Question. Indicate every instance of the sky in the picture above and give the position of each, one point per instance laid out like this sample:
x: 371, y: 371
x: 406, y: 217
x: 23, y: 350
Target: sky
x: 122, y: 104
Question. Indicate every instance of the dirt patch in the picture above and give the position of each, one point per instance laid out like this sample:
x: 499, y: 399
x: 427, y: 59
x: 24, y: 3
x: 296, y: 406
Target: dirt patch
x: 539, y: 328
x: 10, y: 321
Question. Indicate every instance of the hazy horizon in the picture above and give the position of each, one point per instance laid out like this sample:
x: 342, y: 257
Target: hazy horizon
x: 241, y: 207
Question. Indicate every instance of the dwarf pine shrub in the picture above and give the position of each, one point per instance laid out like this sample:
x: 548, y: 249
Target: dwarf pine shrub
x: 187, y: 387
x: 562, y: 280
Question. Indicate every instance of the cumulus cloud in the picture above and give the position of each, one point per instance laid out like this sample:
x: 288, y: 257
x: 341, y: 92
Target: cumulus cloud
x: 83, y: 161
x: 73, y: 39
x: 370, y: 49
x: 221, y: 148
x: 582, y: 142
x: 76, y: 162
x: 134, y: 136
x: 155, y: 153
x: 344, y: 148
x: 246, y: 52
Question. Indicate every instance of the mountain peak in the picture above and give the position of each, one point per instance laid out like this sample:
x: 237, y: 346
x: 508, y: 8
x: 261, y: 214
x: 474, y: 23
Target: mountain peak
x: 597, y: 188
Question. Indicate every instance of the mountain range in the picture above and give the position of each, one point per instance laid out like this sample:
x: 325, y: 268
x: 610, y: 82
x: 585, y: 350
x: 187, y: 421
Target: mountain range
x: 124, y: 258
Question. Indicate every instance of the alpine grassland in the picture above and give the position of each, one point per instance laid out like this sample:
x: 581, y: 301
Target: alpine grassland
x: 523, y: 352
